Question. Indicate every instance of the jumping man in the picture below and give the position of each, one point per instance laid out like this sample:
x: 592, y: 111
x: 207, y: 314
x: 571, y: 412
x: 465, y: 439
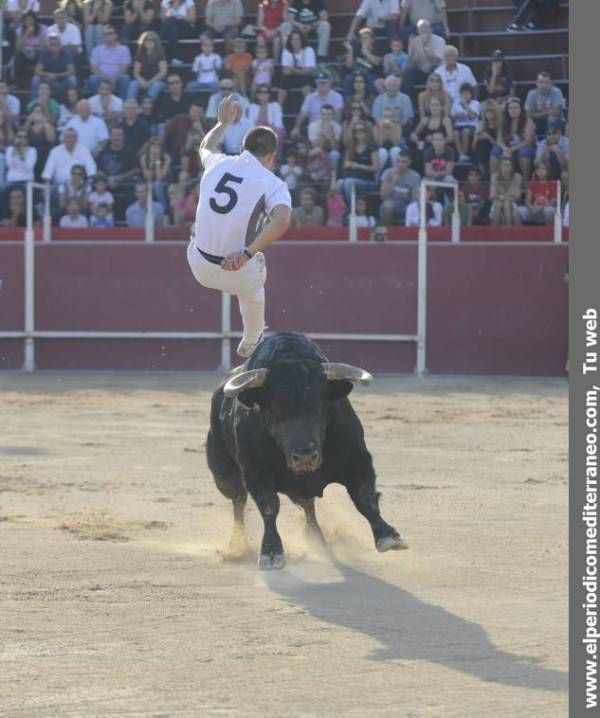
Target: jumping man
x: 243, y: 208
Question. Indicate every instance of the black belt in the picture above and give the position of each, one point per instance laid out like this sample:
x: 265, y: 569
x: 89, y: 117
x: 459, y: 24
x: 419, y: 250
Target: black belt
x: 212, y: 258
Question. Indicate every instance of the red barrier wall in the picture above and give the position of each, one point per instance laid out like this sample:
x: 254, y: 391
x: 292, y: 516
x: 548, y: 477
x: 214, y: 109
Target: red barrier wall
x: 492, y: 308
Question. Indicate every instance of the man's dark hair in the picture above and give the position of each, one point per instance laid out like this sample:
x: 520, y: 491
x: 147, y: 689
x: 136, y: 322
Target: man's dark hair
x: 260, y: 141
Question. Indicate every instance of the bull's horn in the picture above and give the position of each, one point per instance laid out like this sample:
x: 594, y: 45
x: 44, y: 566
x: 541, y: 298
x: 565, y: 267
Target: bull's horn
x: 347, y: 372
x: 251, y: 379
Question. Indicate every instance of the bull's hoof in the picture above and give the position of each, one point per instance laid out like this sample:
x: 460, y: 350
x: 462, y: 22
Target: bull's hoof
x: 394, y: 543
x: 269, y: 563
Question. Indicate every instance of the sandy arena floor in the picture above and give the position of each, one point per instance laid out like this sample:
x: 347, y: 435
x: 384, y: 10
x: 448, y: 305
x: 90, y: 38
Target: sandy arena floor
x: 116, y: 599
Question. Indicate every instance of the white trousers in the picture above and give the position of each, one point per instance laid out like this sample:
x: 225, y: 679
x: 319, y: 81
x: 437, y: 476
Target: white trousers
x: 247, y: 283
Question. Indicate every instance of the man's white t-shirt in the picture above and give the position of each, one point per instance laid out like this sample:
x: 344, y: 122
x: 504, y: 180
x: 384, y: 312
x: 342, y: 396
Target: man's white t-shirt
x: 236, y: 194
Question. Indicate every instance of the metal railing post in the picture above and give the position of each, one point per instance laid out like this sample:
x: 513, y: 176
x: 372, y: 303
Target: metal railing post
x: 558, y: 215
x: 422, y: 283
x: 352, y: 228
x: 456, y: 217
x: 149, y: 225
x: 47, y: 219
x: 29, y: 268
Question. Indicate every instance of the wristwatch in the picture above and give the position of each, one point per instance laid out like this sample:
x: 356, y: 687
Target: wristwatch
x: 247, y: 253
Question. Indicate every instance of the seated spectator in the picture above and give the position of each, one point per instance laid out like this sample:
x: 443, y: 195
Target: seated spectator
x: 10, y: 105
x: 156, y: 169
x: 327, y: 133
x: 439, y: 159
x: 516, y: 138
x: 41, y: 135
x: 106, y: 105
x: 54, y: 66
x: 554, y: 149
x: 178, y: 23
x: 486, y: 136
x: 69, y: 34
x: 76, y: 188
x: 465, y: 117
x: 149, y: 68
x: 148, y: 113
x: 101, y: 195
x: 361, y: 57
x: 505, y: 194
x: 363, y: 219
x: 110, y: 62
x: 135, y: 215
x: 101, y: 216
x: 238, y: 64
x: 435, y: 121
x: 434, y: 87
x: 74, y: 11
x: 380, y: 16
x: 73, y: 219
x: 6, y: 138
x: 16, y: 209
x: 298, y: 65
x: 357, y: 116
x: 20, y: 159
x: 360, y: 164
x: 173, y: 102
x: 531, y: 14
x: 206, y: 66
x: 387, y: 134
x: 225, y: 89
x: 319, y: 166
x: 139, y: 16
x: 291, y: 171
x: 136, y: 128
x: 272, y: 15
x: 425, y: 52
x: 498, y: 80
x: 189, y: 157
x: 177, y: 130
x: 265, y: 111
x: 308, y: 214
x: 313, y: 103
x: 119, y: 163
x: 184, y: 208
x: 540, y: 197
x: 395, y: 61
x: 399, y: 187
x: 476, y: 195
x: 234, y: 134
x: 15, y: 9
x: 31, y: 37
x: 544, y: 102
x: 395, y: 100
x: 310, y: 18
x: 91, y: 130
x: 68, y: 109
x: 411, y: 11
x: 45, y: 101
x: 434, y: 212
x: 223, y: 19
x: 360, y: 94
x: 263, y: 67
x: 455, y: 74
x: 96, y: 14
x: 62, y: 158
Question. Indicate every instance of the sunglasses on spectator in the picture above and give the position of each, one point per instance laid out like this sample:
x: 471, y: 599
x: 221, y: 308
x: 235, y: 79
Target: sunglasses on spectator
x: 174, y: 82
x: 227, y: 87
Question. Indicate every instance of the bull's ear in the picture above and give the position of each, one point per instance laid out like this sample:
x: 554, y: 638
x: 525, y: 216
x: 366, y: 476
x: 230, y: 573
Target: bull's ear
x: 251, y: 397
x: 338, y: 389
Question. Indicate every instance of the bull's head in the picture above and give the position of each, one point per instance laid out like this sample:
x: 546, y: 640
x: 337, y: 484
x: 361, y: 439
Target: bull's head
x: 294, y: 399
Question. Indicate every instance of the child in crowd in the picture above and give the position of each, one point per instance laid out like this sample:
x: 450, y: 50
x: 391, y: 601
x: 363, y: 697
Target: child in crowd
x: 73, y: 219
x: 336, y: 207
x: 540, y: 199
x: 291, y: 172
x: 101, y: 195
x: 394, y: 62
x: 318, y: 166
x: 363, y: 220
x: 476, y: 195
x: 465, y: 113
x: 102, y: 216
x: 262, y: 67
x: 206, y: 66
x: 238, y: 63
x: 434, y: 212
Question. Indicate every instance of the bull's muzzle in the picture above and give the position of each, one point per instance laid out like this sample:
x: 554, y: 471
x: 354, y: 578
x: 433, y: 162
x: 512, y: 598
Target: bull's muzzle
x: 304, y: 461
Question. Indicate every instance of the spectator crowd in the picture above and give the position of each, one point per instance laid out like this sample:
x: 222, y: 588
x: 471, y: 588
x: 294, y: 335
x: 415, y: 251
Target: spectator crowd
x: 106, y: 103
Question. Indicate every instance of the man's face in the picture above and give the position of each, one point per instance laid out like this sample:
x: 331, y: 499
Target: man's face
x: 44, y: 92
x: 76, y: 176
x: 326, y: 114
x: 174, y: 85
x: 438, y: 143
x: 129, y: 110
x: 83, y: 109
x: 117, y: 138
x: 307, y: 201
x: 54, y: 45
x: 141, y: 193
x: 105, y: 89
x: 195, y: 113
x: 391, y: 88
x: 21, y: 139
x: 543, y: 84
x: 226, y: 87
x: 70, y: 139
x: 552, y: 136
x: 323, y: 87
x: 61, y: 20
x: 424, y: 30
x: 403, y: 163
x: 450, y: 58
x: 110, y: 37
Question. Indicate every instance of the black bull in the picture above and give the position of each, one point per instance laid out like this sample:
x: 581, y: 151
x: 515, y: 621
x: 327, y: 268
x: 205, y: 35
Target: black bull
x: 283, y: 424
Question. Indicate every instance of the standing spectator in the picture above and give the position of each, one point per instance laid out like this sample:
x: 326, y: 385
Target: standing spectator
x: 399, y: 187
x: 505, y: 193
x: 434, y: 212
x: 110, y: 61
x: 31, y: 38
x: 554, y: 149
x: 101, y: 217
x: 119, y: 164
x: 234, y: 134
x: 136, y: 128
x: 135, y: 215
x: 454, y: 74
x: 20, y: 159
x: 91, y: 130
x: 486, y: 136
x: 380, y: 15
x: 310, y: 18
x: 465, y: 116
x: 531, y: 14
x: 272, y: 14
x: 313, y: 103
x: 44, y: 99
x: 392, y: 98
x: 298, y: 65
x: 101, y: 195
x: 395, y: 61
x: 156, y: 169
x: 308, y: 214
x: 62, y: 158
x: 544, y: 102
x: 516, y: 138
x: 225, y: 89
x: 68, y: 32
x: 263, y: 67
x: 106, y: 105
x: 439, y: 159
x: 149, y: 67
x: 41, y: 135
x: 360, y: 164
x: 223, y: 19
x: 498, y: 80
x: 265, y: 111
x: 173, y: 102
x: 178, y: 23
x: 238, y: 64
x: 73, y: 219
x: 361, y: 57
x: 206, y: 66
x: 434, y: 11
x: 15, y: 9
x: 434, y: 87
x: 540, y: 197
x: 55, y: 66
x: 139, y: 16
x: 68, y: 109
x: 425, y: 52
x: 96, y: 14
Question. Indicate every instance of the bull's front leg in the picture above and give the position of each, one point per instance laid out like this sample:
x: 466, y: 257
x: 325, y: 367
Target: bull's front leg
x: 366, y: 500
x: 271, y: 550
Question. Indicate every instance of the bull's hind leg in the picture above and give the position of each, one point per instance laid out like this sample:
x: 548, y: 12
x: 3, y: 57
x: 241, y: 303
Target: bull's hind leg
x: 366, y: 500
x: 313, y: 530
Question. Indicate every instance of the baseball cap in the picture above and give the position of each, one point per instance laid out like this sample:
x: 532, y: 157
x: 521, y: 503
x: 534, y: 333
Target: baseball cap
x: 322, y: 77
x: 498, y: 55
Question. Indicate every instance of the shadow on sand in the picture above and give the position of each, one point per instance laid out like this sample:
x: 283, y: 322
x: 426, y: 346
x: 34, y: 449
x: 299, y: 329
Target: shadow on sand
x: 408, y: 628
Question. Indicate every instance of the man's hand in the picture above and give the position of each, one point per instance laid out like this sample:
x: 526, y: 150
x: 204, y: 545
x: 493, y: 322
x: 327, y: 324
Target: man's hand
x: 229, y: 111
x: 234, y: 261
